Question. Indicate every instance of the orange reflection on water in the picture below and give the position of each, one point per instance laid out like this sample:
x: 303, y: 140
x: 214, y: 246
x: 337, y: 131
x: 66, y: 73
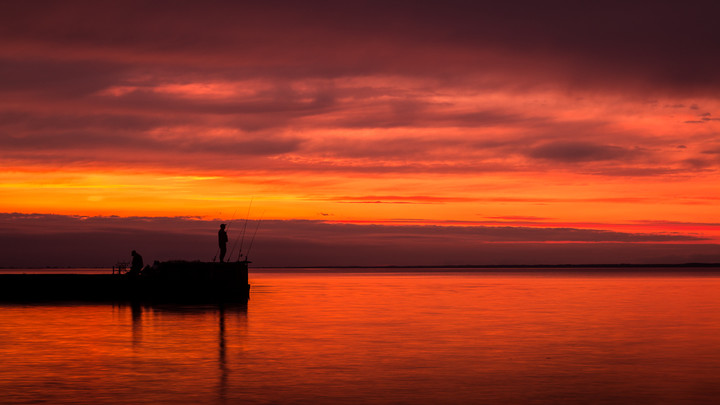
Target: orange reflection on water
x: 381, y: 338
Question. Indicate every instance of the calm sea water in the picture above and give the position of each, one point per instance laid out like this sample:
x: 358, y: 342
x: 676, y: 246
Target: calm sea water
x: 385, y: 338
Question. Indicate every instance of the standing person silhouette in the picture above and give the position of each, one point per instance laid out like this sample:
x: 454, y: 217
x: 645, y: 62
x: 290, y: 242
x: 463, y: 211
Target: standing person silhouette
x: 222, y: 242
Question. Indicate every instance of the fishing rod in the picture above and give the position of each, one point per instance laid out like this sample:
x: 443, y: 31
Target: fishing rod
x: 226, y: 227
x: 232, y: 251
x: 253, y: 237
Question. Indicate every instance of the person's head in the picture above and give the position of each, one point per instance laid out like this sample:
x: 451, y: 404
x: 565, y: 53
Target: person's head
x: 222, y: 226
x: 134, y: 253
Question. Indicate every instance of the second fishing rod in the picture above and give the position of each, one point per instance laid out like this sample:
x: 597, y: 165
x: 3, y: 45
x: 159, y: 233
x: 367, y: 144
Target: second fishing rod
x: 241, y: 237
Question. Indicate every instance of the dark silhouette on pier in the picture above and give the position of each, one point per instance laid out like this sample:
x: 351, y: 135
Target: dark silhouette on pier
x: 137, y: 263
x: 222, y: 242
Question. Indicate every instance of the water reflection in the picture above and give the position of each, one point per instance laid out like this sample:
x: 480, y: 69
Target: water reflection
x: 381, y: 339
x: 136, y: 310
x: 151, y: 314
x: 222, y: 361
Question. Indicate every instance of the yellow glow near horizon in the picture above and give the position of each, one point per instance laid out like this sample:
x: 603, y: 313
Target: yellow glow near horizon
x: 561, y: 198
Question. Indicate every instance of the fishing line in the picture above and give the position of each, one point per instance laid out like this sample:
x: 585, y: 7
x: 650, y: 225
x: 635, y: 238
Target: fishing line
x: 232, y: 251
x: 253, y: 237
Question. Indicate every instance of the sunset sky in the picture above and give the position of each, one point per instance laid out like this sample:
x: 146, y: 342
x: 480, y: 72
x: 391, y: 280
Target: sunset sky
x: 364, y: 132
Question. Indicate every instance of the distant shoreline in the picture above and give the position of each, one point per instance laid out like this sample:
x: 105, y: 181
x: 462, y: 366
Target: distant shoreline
x: 697, y: 268
x: 506, y: 266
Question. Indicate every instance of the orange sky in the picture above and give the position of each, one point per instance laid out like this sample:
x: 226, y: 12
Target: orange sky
x: 465, y: 116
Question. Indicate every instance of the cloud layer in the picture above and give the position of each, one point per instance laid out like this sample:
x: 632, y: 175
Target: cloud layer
x: 604, y: 113
x: 433, y: 82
